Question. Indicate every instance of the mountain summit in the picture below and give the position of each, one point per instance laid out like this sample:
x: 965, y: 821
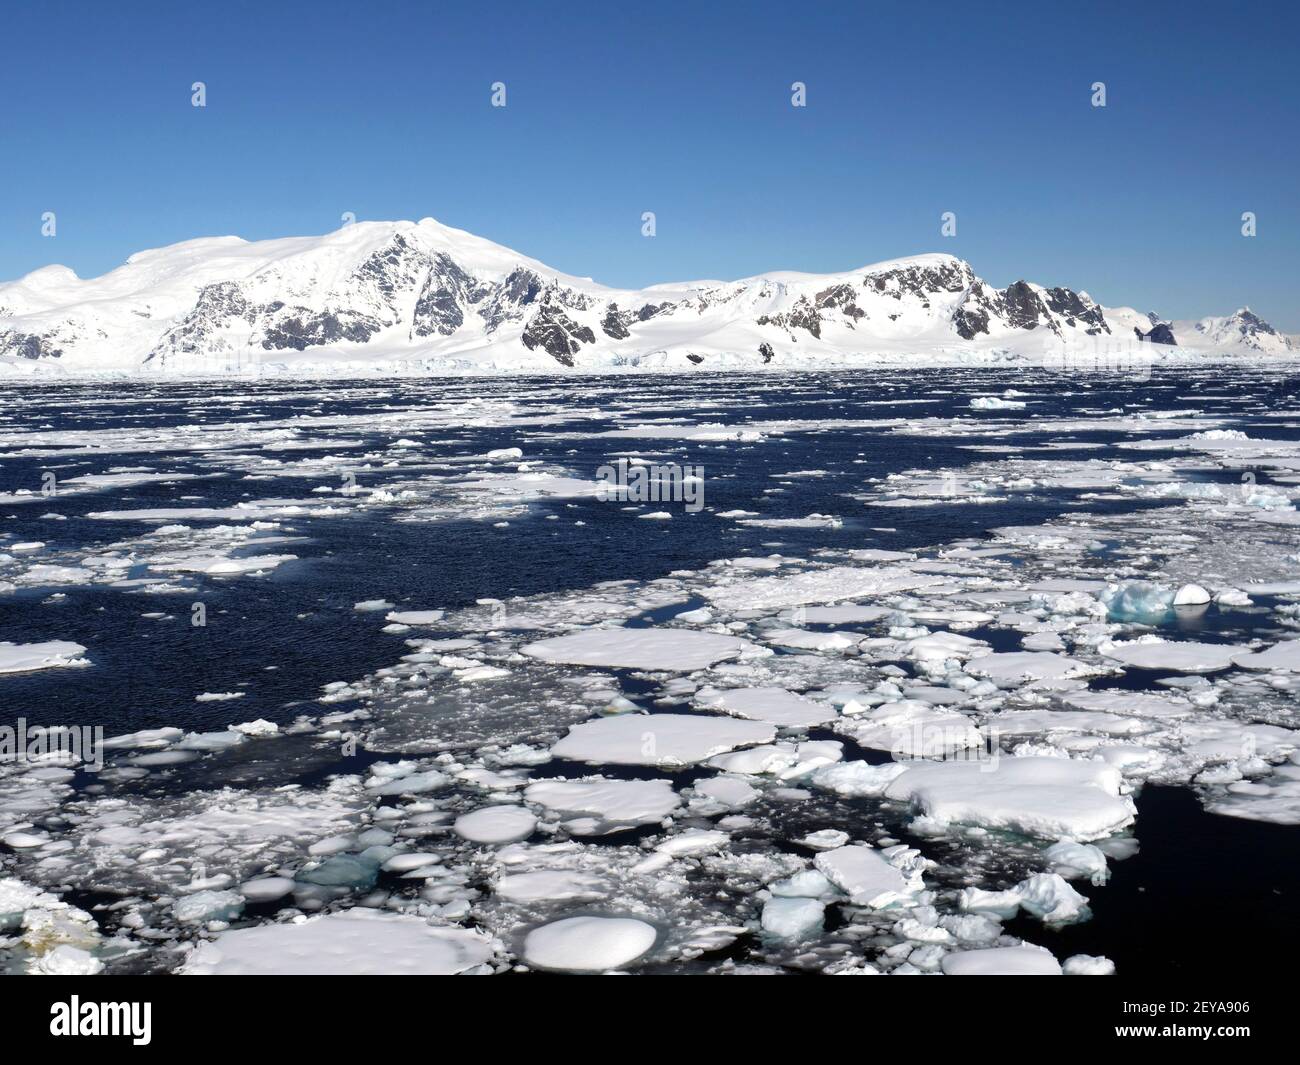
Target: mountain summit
x: 423, y: 297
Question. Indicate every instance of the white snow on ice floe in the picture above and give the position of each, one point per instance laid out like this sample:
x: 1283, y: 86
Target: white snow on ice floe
x: 1017, y: 667
x: 673, y: 650
x: 866, y: 876
x: 668, y: 740
x: 817, y: 587
x: 496, y: 824
x: 595, y: 805
x: 1002, y: 961
x: 776, y: 706
x: 355, y: 942
x: 588, y: 944
x: 1283, y: 657
x: 28, y: 657
x: 1054, y: 798
x: 1180, y: 657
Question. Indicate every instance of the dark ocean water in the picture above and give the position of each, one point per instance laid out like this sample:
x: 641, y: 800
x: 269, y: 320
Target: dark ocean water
x: 280, y: 637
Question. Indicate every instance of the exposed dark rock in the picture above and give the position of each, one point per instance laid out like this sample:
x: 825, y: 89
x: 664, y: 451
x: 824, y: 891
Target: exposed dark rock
x: 765, y: 349
x: 1074, y: 309
x: 803, y: 315
x: 298, y: 328
x: 951, y: 275
x: 385, y: 279
x: 970, y: 321
x: 521, y: 288
x: 557, y: 334
x: 1021, y: 307
x: 612, y: 325
x: 218, y: 306
x: 28, y: 345
x: 447, y: 292
x: 842, y: 296
x: 1161, y: 333
x: 650, y: 310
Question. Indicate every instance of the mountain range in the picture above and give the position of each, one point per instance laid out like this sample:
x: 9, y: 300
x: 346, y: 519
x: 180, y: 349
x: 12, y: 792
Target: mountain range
x: 421, y: 297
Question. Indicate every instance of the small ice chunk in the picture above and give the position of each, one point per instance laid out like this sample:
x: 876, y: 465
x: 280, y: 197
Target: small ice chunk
x: 857, y: 779
x: 864, y: 874
x: 659, y: 739
x: 549, y: 885
x: 1024, y: 960
x: 1088, y: 965
x: 496, y: 824
x: 29, y: 657
x: 588, y: 944
x: 610, y: 804
x: 1050, y: 898
x: 776, y: 706
x: 266, y: 888
x: 794, y: 919
x: 260, y: 727
x: 825, y: 839
x: 1137, y: 601
x: 693, y: 842
x: 1076, y: 861
x: 673, y: 650
x: 731, y: 792
x: 414, y: 617
x: 1054, y: 798
x: 65, y: 960
x: 1189, y: 595
x: 1175, y: 657
x: 204, y: 906
x: 357, y: 942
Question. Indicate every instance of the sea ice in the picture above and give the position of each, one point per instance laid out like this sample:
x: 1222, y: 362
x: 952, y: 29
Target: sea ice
x: 794, y: 919
x: 205, y: 906
x: 865, y: 875
x: 595, y: 805
x: 672, y: 650
x: 496, y: 824
x: 816, y: 587
x: 1180, y: 657
x: 28, y: 657
x: 356, y: 942
x: 1137, y: 601
x: 588, y: 944
x: 549, y: 885
x: 1002, y: 961
x: 659, y: 739
x: 1017, y: 667
x: 1281, y: 657
x: 776, y: 706
x: 1053, y: 798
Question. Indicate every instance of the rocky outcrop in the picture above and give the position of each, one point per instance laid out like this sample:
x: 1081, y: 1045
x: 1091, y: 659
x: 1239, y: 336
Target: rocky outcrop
x: 556, y: 334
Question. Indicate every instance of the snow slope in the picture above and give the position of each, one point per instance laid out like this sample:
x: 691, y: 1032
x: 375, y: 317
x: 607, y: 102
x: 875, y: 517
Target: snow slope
x: 421, y: 297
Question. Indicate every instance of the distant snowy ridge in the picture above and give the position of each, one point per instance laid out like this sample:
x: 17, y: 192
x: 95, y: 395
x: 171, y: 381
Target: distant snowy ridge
x: 420, y: 297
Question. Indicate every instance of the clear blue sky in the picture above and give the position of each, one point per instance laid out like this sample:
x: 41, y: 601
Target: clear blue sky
x: 382, y: 108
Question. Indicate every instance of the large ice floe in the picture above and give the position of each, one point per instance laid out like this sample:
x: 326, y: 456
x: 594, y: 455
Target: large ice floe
x: 816, y: 753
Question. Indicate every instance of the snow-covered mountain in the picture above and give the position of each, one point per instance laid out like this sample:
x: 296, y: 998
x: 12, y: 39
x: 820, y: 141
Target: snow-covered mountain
x: 422, y: 297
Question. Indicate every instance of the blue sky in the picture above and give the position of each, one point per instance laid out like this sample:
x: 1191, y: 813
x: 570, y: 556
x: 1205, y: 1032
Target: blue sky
x: 383, y: 109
